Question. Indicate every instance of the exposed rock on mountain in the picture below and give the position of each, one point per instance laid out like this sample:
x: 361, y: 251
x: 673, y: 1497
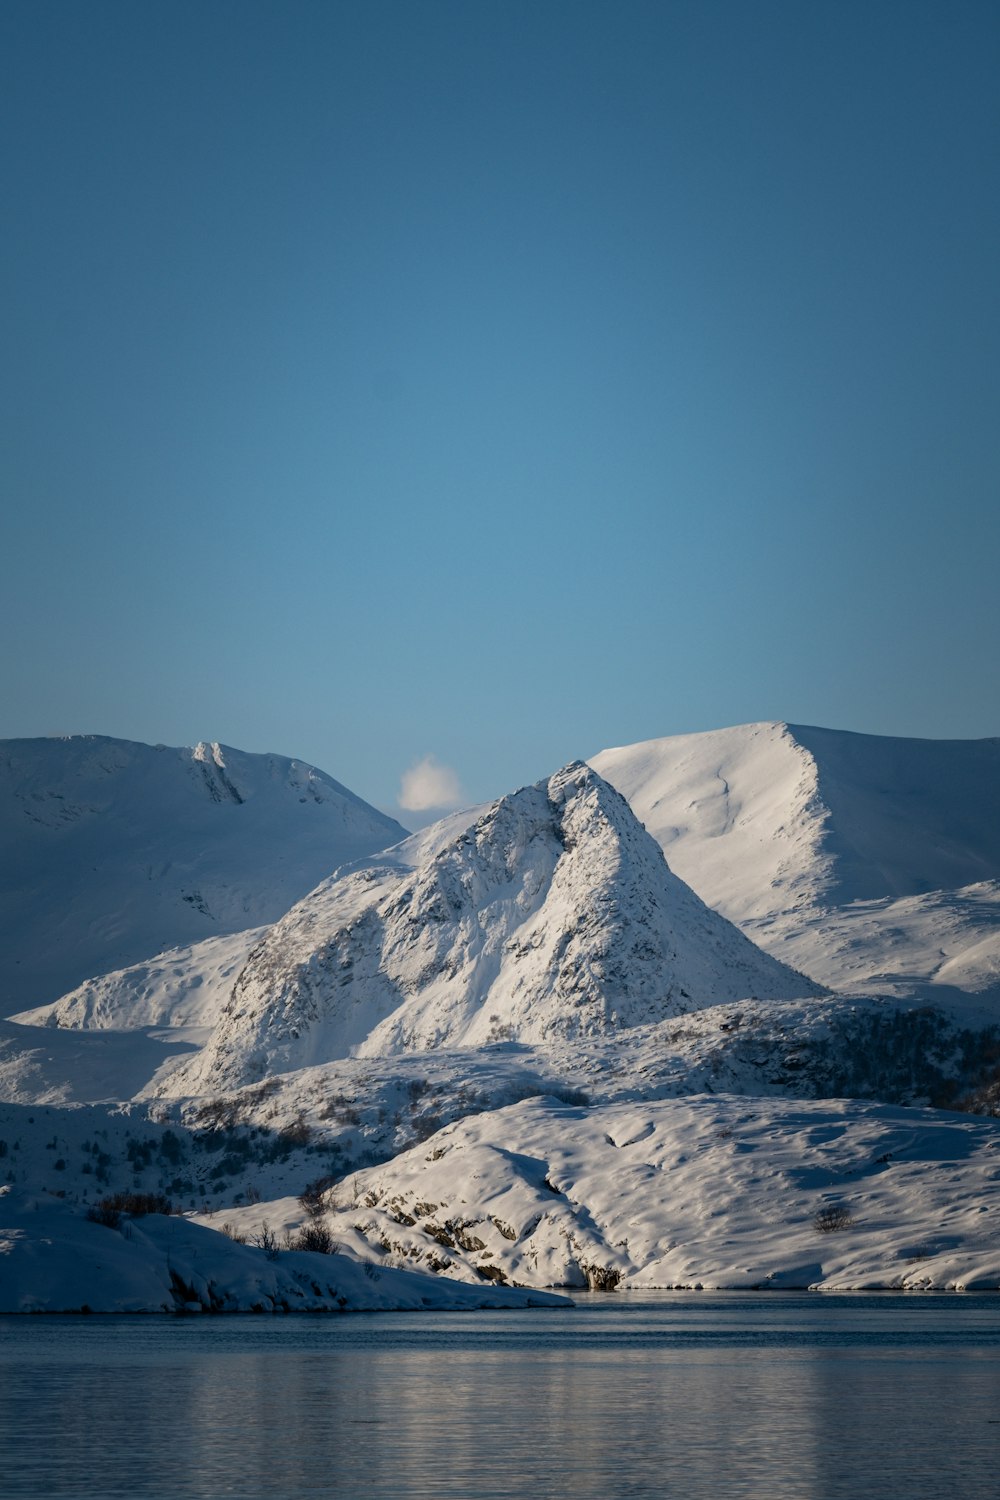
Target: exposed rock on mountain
x: 550, y: 914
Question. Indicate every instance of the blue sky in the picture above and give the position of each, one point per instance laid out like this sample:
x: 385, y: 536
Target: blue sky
x: 498, y: 382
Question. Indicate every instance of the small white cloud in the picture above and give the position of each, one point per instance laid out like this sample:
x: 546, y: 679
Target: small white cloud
x: 428, y: 785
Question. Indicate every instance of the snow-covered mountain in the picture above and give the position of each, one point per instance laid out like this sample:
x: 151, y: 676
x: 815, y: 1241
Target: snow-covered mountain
x: 864, y: 860
x: 550, y: 914
x: 513, y: 1047
x: 114, y: 851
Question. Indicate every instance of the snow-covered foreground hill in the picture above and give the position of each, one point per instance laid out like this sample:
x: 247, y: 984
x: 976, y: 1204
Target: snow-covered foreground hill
x: 54, y: 1259
x: 713, y: 1192
x: 114, y: 851
x: 550, y: 914
x: 868, y: 862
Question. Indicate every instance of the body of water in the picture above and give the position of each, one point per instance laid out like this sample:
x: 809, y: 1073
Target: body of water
x: 782, y: 1397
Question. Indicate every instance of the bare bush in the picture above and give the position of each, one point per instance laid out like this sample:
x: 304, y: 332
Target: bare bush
x: 265, y: 1239
x: 110, y: 1210
x: 832, y: 1218
x: 313, y: 1195
x: 315, y: 1237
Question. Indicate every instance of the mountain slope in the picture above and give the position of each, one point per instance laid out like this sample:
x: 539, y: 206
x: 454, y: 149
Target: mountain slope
x: 116, y: 850
x: 830, y: 849
x: 184, y: 989
x: 551, y: 913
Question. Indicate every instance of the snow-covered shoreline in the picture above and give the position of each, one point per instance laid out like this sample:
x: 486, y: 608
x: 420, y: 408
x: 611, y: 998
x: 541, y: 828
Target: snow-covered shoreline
x: 54, y: 1259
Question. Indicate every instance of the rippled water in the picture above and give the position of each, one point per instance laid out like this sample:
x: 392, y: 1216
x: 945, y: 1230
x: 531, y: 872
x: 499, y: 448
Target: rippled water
x: 668, y: 1396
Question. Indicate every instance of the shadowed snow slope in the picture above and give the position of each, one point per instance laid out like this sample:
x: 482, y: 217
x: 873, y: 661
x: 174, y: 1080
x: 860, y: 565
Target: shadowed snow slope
x: 779, y: 826
x: 181, y: 987
x: 45, y: 1065
x: 56, y: 1260
x: 116, y: 850
x: 551, y: 913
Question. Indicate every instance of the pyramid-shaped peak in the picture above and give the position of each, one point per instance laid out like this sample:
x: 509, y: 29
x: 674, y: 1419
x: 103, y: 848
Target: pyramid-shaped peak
x: 571, y: 777
x: 576, y: 780
x: 552, y: 913
x: 574, y: 785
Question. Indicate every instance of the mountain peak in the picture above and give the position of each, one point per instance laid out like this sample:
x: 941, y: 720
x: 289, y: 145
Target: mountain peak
x: 118, y: 850
x: 771, y: 816
x: 551, y: 913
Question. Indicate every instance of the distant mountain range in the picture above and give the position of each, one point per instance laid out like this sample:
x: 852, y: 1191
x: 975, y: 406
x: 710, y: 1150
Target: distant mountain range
x: 665, y: 984
x: 140, y: 878
x: 114, y: 851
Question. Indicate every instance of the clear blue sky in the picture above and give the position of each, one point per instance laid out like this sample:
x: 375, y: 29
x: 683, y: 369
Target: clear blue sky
x: 498, y: 381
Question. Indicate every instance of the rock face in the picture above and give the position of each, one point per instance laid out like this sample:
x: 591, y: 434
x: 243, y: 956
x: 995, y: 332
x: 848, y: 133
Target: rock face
x: 550, y: 914
x: 115, y: 851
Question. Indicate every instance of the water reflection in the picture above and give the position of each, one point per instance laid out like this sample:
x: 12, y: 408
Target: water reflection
x: 790, y: 1398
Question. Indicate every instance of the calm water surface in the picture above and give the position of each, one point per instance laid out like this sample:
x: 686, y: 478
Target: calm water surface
x: 673, y: 1395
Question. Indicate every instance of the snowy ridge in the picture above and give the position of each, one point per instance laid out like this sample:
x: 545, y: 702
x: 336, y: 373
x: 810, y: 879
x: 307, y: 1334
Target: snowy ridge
x: 736, y: 811
x: 117, y: 850
x: 943, y: 947
x: 902, y: 1052
x: 763, y: 816
x: 833, y: 850
x: 552, y: 913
